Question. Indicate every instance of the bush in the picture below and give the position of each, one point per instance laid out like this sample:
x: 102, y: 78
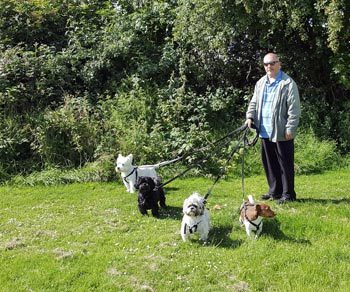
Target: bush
x: 68, y: 135
x: 313, y: 155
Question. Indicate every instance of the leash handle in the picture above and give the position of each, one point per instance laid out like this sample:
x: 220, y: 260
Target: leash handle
x: 255, y: 139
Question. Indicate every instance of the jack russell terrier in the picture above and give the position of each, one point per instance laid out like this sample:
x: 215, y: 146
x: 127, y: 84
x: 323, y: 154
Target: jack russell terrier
x: 252, y: 214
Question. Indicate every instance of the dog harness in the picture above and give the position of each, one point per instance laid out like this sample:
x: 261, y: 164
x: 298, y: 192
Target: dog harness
x: 134, y: 170
x: 244, y: 206
x: 191, y: 229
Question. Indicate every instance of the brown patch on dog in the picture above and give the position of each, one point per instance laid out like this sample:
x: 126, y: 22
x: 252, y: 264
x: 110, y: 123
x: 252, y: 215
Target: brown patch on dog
x: 265, y: 211
x: 252, y: 212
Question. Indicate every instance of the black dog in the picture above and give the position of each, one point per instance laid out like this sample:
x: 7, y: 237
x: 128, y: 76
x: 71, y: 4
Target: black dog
x: 150, y: 195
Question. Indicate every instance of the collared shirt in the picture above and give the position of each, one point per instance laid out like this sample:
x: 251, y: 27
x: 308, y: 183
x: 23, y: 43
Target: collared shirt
x: 266, y: 113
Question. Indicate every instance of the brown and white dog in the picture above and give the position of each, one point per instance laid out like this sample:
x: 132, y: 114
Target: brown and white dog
x: 251, y: 216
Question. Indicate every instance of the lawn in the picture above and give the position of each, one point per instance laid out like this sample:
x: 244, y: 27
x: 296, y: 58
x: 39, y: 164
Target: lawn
x: 91, y: 237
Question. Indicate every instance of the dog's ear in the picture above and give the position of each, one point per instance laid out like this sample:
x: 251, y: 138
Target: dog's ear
x: 120, y: 155
x: 131, y: 157
x: 184, y: 205
x: 157, y: 180
x: 201, y: 207
x: 138, y: 182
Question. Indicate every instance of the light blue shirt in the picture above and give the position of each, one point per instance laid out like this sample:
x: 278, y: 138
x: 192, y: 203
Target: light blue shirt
x: 266, y: 112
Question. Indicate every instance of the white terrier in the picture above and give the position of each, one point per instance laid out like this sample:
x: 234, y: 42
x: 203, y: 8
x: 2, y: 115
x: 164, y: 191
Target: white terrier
x: 130, y: 172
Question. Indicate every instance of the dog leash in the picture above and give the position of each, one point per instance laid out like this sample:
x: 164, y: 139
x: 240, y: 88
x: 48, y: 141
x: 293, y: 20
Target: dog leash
x: 198, y: 161
x: 222, y: 172
x: 203, y: 149
x: 246, y: 143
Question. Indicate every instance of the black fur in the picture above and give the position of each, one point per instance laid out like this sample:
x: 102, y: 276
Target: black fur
x: 150, y: 197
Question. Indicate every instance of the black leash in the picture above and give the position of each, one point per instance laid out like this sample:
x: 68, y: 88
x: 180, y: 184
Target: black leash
x: 205, y: 148
x: 197, y: 162
x: 246, y: 143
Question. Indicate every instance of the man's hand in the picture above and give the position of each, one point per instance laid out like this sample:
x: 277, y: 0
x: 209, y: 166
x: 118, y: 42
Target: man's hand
x: 288, y: 136
x: 249, y: 123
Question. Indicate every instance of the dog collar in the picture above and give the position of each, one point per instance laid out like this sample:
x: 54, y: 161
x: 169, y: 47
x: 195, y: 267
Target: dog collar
x: 134, y: 170
x: 257, y: 226
x: 191, y: 229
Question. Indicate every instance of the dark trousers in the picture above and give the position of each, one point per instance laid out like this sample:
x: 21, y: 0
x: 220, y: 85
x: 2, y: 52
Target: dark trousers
x: 278, y: 162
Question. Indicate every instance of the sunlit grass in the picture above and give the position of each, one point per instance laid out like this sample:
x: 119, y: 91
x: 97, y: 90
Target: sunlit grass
x: 91, y: 237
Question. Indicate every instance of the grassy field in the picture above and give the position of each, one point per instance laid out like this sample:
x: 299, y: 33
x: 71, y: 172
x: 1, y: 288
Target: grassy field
x: 91, y: 237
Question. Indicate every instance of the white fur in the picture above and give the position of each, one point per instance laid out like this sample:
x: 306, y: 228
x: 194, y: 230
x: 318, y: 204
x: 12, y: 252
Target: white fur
x: 251, y: 199
x: 130, y: 172
x: 195, y: 217
x: 249, y: 227
x: 125, y: 167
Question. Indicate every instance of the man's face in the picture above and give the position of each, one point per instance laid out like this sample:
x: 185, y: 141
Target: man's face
x: 271, y: 65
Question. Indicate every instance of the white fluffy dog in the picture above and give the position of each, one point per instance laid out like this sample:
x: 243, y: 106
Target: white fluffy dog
x: 130, y: 172
x: 196, y: 218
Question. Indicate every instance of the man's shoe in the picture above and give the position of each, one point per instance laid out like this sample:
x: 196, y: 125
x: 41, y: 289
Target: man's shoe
x: 270, y: 197
x: 285, y: 199
x: 267, y: 197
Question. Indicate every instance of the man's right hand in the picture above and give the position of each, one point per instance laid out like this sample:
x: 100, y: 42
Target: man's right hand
x: 249, y: 123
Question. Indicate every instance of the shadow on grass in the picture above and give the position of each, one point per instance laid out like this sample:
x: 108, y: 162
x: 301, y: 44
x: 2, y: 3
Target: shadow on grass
x: 272, y: 228
x: 220, y: 237
x: 324, y: 201
x: 171, y: 212
x: 168, y: 190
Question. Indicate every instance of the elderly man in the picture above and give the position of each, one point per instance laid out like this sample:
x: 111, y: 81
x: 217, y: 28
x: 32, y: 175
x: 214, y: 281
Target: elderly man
x: 275, y: 111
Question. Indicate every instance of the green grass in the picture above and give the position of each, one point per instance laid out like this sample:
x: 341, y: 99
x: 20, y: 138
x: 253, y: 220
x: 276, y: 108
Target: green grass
x: 91, y: 237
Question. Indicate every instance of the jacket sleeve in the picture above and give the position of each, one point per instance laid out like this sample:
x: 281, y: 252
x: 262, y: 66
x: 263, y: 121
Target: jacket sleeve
x: 251, y: 112
x: 294, y: 112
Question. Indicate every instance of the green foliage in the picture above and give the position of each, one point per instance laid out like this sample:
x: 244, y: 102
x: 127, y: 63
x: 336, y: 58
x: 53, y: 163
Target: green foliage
x: 30, y: 79
x: 67, y: 136
x: 159, y: 78
x: 313, y: 155
x: 336, y: 14
x: 31, y: 22
x: 15, y: 151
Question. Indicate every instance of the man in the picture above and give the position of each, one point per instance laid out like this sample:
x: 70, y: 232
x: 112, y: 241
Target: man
x: 275, y: 110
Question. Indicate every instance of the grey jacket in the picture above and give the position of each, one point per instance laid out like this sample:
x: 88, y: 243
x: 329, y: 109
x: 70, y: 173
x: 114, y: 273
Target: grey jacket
x: 285, y: 107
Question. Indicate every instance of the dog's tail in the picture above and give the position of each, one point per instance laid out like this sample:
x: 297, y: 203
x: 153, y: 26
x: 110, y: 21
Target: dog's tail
x: 163, y: 163
x: 251, y: 199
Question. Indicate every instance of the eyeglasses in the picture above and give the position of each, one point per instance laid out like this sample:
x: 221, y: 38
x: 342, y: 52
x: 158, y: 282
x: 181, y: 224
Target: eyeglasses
x: 272, y: 63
